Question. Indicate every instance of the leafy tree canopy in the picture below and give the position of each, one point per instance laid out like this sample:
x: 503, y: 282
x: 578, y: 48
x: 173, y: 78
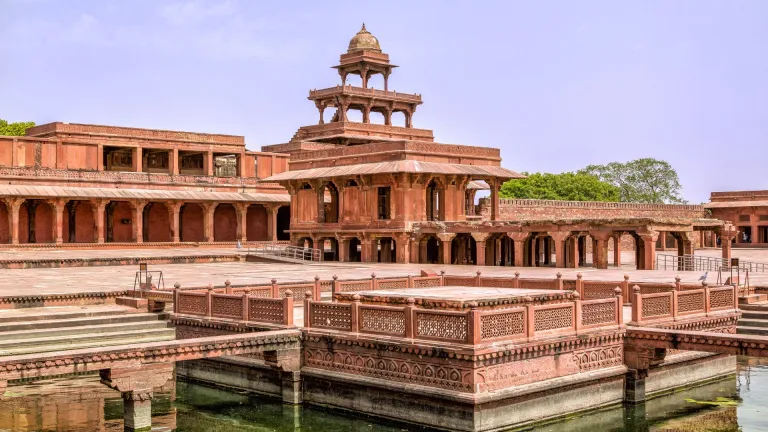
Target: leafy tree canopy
x: 14, y: 129
x: 644, y: 180
x: 566, y: 187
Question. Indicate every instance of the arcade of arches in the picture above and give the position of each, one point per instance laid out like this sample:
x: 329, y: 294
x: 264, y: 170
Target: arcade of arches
x: 24, y: 220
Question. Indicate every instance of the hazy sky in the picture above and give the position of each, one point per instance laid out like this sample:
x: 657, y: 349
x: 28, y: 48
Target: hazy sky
x: 556, y: 85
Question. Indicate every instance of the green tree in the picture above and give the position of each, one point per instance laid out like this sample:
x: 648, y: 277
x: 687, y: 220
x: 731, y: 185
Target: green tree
x: 644, y: 180
x: 14, y: 129
x: 567, y: 186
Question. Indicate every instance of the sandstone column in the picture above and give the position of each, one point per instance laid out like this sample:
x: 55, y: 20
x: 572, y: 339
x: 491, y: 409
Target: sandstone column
x: 480, y: 239
x: 402, y: 249
x: 600, y: 250
x: 343, y: 245
x: 174, y: 212
x: 445, y: 241
x: 574, y: 252
x: 99, y: 207
x: 617, y: 249
x: 208, y: 211
x: 727, y: 234
x: 494, y: 199
x: 559, y: 237
x: 137, y: 222
x: 136, y: 385
x: 519, y: 244
x: 14, y: 205
x: 272, y: 222
x: 649, y: 249
x: 241, y: 211
x: 423, y: 257
x: 58, y: 219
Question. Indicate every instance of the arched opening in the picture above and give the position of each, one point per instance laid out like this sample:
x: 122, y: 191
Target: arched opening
x: 330, y: 249
x: 256, y: 223
x: 432, y: 251
x: 354, y: 250
x: 385, y: 249
x: 435, y: 201
x: 119, y: 222
x: 398, y: 118
x: 192, y: 223
x: 5, y: 217
x: 539, y: 248
x: 79, y: 222
x: 225, y: 223
x: 376, y: 117
x: 504, y: 250
x: 330, y: 203
x: 463, y: 250
x: 305, y: 242
x: 283, y: 223
x: 156, y: 224
x: 639, y: 250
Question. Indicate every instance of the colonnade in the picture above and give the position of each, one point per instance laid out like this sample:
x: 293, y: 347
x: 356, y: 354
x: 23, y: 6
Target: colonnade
x: 65, y: 220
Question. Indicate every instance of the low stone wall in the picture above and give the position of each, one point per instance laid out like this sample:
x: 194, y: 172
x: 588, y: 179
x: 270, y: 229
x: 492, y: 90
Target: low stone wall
x: 524, y: 209
x: 47, y: 300
x: 116, y: 261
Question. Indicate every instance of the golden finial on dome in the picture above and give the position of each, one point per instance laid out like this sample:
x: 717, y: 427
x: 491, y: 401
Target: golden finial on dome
x: 364, y: 40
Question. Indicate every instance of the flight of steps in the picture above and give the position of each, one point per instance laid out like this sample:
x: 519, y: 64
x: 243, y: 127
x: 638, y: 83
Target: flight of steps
x: 754, y: 319
x: 44, y: 330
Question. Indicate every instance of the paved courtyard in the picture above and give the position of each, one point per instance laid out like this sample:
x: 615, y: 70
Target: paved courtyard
x: 117, y: 278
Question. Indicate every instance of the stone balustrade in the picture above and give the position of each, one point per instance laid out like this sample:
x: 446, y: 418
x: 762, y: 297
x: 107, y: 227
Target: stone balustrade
x: 674, y: 305
x: 242, y: 307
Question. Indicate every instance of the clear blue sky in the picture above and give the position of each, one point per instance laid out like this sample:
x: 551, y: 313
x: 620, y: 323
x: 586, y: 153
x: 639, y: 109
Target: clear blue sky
x: 556, y: 85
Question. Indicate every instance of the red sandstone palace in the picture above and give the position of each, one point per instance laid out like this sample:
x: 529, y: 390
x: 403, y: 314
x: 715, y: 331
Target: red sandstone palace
x: 358, y: 190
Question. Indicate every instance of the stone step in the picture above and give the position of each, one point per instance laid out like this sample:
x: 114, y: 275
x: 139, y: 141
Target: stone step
x: 754, y: 307
x: 57, y: 332
x: 66, y: 313
x: 760, y: 331
x: 85, y: 341
x: 755, y: 314
x: 753, y: 298
x: 79, y: 322
x: 752, y: 323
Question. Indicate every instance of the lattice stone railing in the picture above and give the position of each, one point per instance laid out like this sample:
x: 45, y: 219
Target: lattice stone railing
x: 240, y: 307
x: 669, y: 305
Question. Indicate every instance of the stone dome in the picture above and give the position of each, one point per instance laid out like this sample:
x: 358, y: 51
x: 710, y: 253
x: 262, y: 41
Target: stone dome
x: 364, y: 40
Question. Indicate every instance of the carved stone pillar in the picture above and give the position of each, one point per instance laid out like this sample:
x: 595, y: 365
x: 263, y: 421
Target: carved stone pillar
x: 617, y: 249
x: 423, y: 257
x: 519, y: 244
x: 494, y: 184
x: 58, y: 219
x: 480, y: 239
x: 649, y: 249
x: 174, y: 212
x: 574, y: 253
x: 272, y: 222
x: 241, y: 210
x: 208, y: 220
x: 600, y: 249
x: 13, y: 206
x: 445, y: 242
x: 138, y: 228
x: 638, y: 361
x: 99, y: 207
x: 558, y: 237
x: 136, y: 386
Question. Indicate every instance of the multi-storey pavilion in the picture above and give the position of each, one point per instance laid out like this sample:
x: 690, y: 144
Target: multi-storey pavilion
x: 77, y: 183
x: 379, y: 192
x: 747, y: 211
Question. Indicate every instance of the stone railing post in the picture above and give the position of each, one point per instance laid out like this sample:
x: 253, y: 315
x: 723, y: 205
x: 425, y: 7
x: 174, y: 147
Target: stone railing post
x: 316, y: 289
x: 580, y: 284
x: 227, y: 287
x: 477, y: 279
x: 516, y: 280
x: 530, y: 318
x: 559, y: 281
x: 637, y: 305
x: 354, y: 313
x: 275, y: 290
x: 410, y: 281
x: 442, y: 277
x: 707, y: 307
x: 410, y: 317
x: 577, y: 321
x: 288, y: 308
x: 209, y: 301
x: 334, y: 287
x: 625, y: 290
x: 246, y: 305
x: 176, y: 288
x: 619, y: 306
x: 307, y: 309
x: 677, y: 283
x: 674, y: 304
x: 473, y: 324
x: 374, y: 282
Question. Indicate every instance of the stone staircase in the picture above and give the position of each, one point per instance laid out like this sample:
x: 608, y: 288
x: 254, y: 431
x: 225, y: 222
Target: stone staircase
x: 754, y: 319
x: 47, y: 329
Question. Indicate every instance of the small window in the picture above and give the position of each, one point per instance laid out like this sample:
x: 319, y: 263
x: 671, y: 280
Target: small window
x: 764, y: 217
x: 743, y: 218
x: 383, y: 207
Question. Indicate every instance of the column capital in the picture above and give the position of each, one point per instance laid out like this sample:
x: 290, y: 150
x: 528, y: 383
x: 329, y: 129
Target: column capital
x: 138, y: 204
x: 600, y: 235
x: 649, y: 235
x: 518, y: 236
x: 480, y: 236
x: 14, y: 202
x: 446, y: 237
x: 559, y: 235
x: 57, y: 202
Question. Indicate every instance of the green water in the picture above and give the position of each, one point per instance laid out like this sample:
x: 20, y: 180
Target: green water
x: 736, y: 403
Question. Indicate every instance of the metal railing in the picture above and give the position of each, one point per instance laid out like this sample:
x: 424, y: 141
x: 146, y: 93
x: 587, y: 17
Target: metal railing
x: 291, y: 252
x: 702, y: 263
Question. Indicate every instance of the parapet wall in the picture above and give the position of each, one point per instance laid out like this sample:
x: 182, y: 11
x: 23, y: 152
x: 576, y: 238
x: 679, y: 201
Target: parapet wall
x: 525, y: 209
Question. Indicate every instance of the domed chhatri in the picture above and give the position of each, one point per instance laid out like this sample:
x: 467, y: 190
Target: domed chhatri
x: 364, y: 40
